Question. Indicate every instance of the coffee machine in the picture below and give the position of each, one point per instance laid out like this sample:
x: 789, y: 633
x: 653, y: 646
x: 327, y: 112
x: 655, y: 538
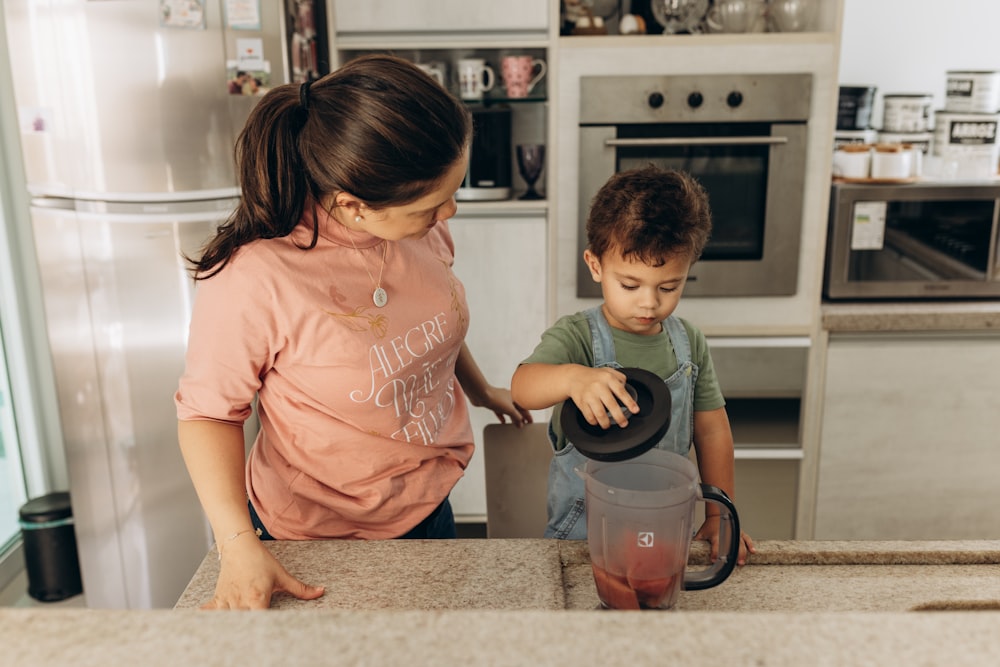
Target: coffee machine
x: 489, y: 174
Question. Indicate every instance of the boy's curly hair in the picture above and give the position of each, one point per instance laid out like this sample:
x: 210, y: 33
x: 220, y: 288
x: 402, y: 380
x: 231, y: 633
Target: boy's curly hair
x: 650, y: 214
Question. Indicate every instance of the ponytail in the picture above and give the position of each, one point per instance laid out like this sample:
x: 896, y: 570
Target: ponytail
x: 378, y: 127
x: 274, y: 184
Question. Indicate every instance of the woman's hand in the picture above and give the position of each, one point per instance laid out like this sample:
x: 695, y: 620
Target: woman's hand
x: 249, y: 575
x: 709, y: 532
x: 484, y: 395
x: 503, y: 406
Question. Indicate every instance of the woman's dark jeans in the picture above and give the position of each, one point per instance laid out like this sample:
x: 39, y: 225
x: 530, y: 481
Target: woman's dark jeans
x: 440, y: 525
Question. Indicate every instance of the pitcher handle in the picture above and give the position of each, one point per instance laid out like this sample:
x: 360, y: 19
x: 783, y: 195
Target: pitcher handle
x: 729, y: 543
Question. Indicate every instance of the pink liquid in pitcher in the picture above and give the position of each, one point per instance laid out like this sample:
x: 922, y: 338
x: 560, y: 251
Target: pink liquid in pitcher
x: 620, y: 592
x: 640, y: 575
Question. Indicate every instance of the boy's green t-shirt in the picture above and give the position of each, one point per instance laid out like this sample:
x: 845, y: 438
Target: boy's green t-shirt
x: 568, y: 341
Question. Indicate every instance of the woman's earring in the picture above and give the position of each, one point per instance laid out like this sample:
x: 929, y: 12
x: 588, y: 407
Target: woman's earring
x: 357, y: 218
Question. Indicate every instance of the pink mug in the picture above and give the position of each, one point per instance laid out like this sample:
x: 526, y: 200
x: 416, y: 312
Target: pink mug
x: 520, y: 74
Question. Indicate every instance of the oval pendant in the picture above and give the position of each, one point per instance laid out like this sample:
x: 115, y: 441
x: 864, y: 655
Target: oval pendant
x: 380, y: 297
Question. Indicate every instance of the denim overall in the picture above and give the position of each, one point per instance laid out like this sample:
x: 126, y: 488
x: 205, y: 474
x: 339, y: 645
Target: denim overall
x: 566, y: 510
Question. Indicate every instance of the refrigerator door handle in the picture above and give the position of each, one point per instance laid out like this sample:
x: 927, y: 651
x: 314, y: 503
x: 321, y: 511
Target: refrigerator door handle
x: 54, y: 203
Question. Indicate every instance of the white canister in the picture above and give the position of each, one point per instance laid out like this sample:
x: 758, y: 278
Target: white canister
x: 973, y: 92
x: 852, y: 161
x: 906, y: 112
x: 892, y: 162
x: 966, y: 143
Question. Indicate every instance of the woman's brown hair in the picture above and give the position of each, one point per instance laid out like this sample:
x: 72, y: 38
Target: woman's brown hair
x: 377, y: 127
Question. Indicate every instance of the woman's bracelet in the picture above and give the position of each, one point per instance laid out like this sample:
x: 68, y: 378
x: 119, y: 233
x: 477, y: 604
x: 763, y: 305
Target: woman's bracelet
x: 232, y: 537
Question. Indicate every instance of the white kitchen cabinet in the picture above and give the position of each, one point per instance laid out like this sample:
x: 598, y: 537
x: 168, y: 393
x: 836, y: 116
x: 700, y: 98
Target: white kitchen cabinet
x: 501, y: 259
x: 910, y: 437
x: 763, y: 380
x: 374, y: 16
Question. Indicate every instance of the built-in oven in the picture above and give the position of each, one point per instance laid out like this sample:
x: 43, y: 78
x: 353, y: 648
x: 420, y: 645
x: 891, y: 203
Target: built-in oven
x: 928, y: 240
x: 744, y: 137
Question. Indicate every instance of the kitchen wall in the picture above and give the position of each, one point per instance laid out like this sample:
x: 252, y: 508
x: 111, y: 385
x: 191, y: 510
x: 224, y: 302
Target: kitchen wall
x: 905, y: 47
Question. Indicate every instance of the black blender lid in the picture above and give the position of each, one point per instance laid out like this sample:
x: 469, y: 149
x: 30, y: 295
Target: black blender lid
x: 644, y: 429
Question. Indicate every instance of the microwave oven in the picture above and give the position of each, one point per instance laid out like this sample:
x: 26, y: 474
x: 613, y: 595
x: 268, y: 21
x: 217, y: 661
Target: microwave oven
x: 924, y: 240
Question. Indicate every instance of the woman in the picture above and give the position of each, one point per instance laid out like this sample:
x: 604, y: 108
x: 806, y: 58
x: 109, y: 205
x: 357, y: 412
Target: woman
x: 329, y: 297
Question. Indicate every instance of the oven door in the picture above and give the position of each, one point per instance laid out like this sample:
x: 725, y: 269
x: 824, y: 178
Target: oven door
x: 754, y: 174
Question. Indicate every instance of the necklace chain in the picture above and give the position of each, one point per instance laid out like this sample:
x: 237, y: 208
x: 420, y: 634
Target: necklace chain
x: 379, y: 296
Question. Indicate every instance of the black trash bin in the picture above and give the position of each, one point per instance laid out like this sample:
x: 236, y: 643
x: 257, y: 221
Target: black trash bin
x: 50, y: 555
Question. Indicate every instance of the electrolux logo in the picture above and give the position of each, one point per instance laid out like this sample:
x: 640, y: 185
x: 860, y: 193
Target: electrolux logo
x: 973, y: 132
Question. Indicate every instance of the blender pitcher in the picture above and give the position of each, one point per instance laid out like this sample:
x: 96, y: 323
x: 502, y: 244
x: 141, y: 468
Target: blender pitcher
x: 639, y: 516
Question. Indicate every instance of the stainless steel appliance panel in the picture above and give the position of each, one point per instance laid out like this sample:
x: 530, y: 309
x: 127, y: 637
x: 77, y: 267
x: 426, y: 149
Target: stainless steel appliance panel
x: 118, y: 301
x: 114, y: 105
x: 74, y: 358
x: 695, y: 99
x: 916, y: 241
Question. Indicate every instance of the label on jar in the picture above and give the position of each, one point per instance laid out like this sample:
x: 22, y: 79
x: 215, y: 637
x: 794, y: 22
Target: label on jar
x: 868, y: 225
x: 906, y: 113
x: 975, y: 92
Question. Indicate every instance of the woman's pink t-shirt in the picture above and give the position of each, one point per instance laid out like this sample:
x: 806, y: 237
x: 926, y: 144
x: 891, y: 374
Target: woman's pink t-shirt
x: 364, y: 427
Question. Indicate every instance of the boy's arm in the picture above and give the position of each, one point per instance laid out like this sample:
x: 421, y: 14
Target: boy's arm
x: 713, y: 443
x: 595, y: 391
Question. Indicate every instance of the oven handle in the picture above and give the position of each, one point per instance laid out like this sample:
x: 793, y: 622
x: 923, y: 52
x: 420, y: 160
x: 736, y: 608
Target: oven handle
x: 699, y: 141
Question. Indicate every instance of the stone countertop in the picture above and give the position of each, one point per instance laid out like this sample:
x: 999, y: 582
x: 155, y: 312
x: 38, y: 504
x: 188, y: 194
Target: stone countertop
x: 165, y: 638
x: 504, y: 602
x: 523, y: 574
x: 911, y: 316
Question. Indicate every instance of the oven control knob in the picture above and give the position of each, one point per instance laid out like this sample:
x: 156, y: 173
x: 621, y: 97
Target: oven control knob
x: 695, y: 99
x: 734, y: 99
x: 655, y: 100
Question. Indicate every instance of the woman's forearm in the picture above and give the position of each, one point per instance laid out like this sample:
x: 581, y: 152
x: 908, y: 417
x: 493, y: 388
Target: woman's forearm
x: 471, y: 378
x: 215, y: 458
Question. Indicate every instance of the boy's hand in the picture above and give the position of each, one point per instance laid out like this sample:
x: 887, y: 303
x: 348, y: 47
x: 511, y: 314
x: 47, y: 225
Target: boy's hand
x: 600, y: 392
x: 709, y: 532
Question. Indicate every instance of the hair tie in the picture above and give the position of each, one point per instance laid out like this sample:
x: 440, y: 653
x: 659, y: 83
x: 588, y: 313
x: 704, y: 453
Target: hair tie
x: 304, y: 94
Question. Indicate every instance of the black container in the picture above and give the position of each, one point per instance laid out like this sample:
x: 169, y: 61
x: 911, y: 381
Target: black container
x: 854, y: 107
x: 50, y: 555
x: 489, y: 175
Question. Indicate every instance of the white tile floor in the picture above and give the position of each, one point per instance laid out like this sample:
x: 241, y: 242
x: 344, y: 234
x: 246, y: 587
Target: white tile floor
x: 16, y: 595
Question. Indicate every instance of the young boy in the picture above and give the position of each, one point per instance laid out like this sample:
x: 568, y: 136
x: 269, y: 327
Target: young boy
x: 646, y: 227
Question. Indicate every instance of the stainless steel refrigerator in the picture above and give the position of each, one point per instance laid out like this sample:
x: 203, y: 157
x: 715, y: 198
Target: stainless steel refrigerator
x: 128, y: 119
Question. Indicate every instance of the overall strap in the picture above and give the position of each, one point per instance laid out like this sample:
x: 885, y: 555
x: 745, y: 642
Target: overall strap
x: 679, y: 339
x: 601, y: 339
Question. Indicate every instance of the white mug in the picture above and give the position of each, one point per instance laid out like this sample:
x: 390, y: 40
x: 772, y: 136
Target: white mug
x: 892, y: 161
x: 475, y: 77
x: 852, y: 161
x: 434, y: 70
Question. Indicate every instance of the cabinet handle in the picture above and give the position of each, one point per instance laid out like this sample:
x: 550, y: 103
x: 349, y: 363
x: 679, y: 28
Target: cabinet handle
x: 767, y: 454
